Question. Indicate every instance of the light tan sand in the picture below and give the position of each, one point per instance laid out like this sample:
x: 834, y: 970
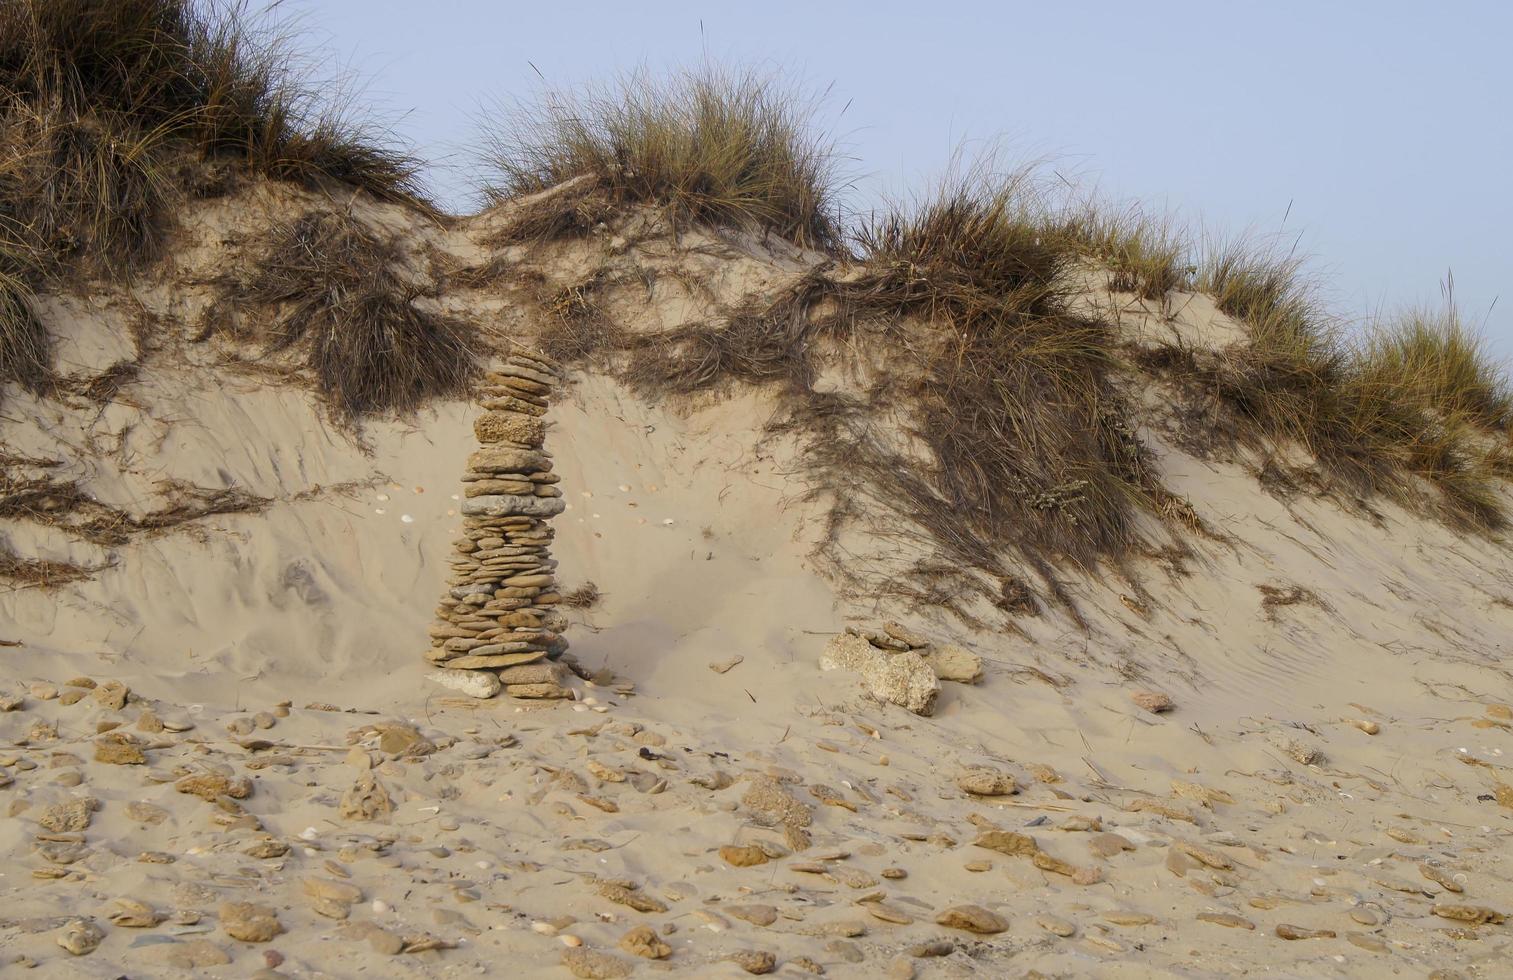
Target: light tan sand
x: 512, y: 821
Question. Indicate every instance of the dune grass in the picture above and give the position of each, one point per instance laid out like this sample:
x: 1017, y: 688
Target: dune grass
x: 1416, y: 395
x: 24, y: 344
x: 103, y: 101
x: 1018, y: 442
x: 1146, y: 255
x: 1429, y: 357
x: 1030, y: 442
x: 331, y: 286
x: 731, y: 149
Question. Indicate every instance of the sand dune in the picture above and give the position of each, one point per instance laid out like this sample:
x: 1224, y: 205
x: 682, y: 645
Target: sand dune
x: 1327, y: 795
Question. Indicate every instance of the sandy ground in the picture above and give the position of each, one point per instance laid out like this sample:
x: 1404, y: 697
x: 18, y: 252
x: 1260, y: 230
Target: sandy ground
x: 234, y: 712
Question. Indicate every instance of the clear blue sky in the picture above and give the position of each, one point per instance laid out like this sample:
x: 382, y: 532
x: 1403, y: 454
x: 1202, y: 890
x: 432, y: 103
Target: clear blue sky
x: 1383, y: 131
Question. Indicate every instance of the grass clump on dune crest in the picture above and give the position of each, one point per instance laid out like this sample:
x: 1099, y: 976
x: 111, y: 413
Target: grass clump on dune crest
x: 1146, y: 256
x: 1429, y: 357
x: 102, y: 101
x: 731, y: 149
x: 1418, y: 395
x: 331, y: 285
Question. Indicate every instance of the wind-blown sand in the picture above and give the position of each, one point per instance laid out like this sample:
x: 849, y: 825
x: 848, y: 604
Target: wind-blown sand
x: 1334, y: 765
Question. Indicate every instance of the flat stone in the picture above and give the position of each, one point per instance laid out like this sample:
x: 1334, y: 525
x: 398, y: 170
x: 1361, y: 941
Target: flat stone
x: 211, y: 786
x: 503, y: 460
x: 193, y: 954
x: 743, y: 856
x: 493, y: 661
x: 132, y: 914
x: 474, y: 683
x: 954, y: 663
x: 757, y: 915
x: 1008, y: 842
x: 1153, y: 701
x: 983, y: 781
x: 1056, y: 926
x: 972, y: 918
x: 499, y: 505
x: 119, y: 749
x: 537, y: 691
x: 632, y: 898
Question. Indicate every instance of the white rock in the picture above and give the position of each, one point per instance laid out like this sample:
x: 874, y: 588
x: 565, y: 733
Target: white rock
x: 903, y: 678
x: 473, y: 683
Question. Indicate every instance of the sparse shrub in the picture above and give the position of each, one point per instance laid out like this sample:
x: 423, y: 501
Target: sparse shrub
x: 332, y: 285
x: 728, y: 148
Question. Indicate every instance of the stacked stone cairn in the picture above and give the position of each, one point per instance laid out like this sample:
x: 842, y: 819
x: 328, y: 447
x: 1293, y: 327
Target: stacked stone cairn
x: 498, y: 627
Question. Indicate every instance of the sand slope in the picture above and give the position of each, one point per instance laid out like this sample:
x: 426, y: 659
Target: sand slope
x: 512, y: 829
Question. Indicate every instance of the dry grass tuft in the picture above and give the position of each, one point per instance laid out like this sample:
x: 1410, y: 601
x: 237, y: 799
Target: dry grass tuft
x: 40, y: 573
x: 585, y: 596
x: 1017, y: 445
x: 24, y: 344
x: 731, y: 149
x: 1031, y: 444
x: 332, y: 286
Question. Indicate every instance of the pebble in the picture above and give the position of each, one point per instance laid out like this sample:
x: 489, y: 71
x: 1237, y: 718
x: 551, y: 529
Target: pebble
x: 1056, y: 925
x: 983, y: 781
x: 249, y: 922
x: 972, y: 918
x: 753, y: 961
x: 760, y: 915
x: 644, y: 942
x: 743, y: 856
x: 80, y: 937
x: 589, y: 964
x: 385, y: 942
x: 1153, y: 701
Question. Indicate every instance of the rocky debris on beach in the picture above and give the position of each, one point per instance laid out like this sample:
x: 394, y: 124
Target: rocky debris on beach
x: 498, y: 624
x: 901, y: 665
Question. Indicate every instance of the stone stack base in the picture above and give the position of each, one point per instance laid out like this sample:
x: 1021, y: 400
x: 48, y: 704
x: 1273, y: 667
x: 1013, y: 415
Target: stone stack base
x: 497, y: 626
